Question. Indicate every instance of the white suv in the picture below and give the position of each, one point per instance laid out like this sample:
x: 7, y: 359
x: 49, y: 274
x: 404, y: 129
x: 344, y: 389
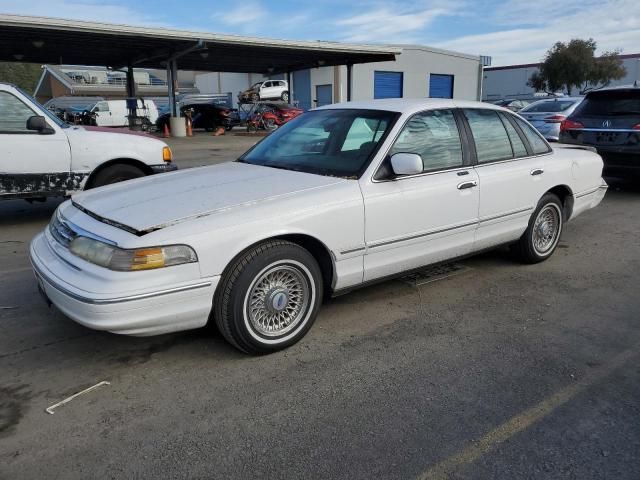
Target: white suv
x: 42, y: 156
x: 267, y: 90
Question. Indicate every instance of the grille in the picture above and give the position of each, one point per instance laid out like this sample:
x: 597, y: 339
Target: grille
x: 61, y: 231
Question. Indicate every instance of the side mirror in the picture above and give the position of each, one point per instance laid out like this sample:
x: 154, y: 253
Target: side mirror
x: 406, y: 164
x: 39, y: 124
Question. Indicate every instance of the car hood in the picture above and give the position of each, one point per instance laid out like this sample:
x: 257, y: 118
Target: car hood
x: 152, y: 203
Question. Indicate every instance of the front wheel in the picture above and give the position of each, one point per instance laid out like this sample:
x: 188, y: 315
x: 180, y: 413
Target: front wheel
x: 269, y: 298
x: 285, y: 96
x: 116, y: 173
x: 541, y: 238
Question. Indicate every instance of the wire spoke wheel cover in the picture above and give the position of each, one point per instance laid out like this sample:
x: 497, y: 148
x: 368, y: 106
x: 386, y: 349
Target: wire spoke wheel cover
x: 546, y: 229
x: 279, y: 299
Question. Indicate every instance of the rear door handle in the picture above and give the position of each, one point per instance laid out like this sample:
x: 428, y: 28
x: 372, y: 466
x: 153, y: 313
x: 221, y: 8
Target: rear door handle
x: 465, y: 185
x: 537, y: 171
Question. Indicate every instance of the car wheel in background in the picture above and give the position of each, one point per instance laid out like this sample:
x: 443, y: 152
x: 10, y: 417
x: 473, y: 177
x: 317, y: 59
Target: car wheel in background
x: 116, y: 173
x: 255, y: 97
x: 269, y: 298
x: 285, y: 97
x: 541, y: 238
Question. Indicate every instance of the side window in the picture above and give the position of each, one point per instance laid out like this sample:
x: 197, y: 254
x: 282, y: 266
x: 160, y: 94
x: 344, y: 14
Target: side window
x: 102, y: 107
x: 13, y: 114
x: 538, y: 145
x: 519, y: 149
x: 434, y: 136
x: 489, y: 135
x: 266, y: 85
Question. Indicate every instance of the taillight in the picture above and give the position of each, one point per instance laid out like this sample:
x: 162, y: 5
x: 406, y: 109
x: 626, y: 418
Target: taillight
x: 554, y: 119
x: 224, y: 113
x: 570, y: 125
x: 636, y: 127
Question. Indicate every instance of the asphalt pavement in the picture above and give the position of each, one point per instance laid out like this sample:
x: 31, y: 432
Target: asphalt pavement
x: 502, y: 371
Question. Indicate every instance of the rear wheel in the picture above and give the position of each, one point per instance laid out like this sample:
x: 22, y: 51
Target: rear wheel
x: 269, y: 298
x: 541, y: 238
x: 116, y: 173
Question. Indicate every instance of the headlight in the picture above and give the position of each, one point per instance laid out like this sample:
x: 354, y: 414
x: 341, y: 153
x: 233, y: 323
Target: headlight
x: 122, y: 260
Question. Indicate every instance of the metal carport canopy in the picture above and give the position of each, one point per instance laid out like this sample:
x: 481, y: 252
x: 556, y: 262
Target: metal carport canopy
x: 57, y: 41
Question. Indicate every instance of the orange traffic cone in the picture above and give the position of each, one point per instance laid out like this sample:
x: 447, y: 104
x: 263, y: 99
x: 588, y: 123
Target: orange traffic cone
x: 189, y: 128
x: 165, y: 131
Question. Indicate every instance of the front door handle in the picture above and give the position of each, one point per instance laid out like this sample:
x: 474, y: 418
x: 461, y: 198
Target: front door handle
x: 465, y: 185
x: 537, y: 171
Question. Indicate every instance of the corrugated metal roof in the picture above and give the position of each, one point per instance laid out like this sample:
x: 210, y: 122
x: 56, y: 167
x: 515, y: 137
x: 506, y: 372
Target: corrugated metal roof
x: 94, y: 43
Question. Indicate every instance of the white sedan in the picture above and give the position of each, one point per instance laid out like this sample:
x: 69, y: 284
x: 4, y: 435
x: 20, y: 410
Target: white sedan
x: 340, y: 197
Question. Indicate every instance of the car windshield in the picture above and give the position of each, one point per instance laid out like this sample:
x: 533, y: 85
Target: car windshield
x: 549, y: 106
x: 611, y: 102
x: 325, y: 142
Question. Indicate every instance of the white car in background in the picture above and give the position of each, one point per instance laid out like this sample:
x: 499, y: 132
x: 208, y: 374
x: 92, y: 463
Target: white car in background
x: 42, y: 156
x: 547, y: 115
x: 114, y: 113
x: 266, y: 90
x: 254, y: 245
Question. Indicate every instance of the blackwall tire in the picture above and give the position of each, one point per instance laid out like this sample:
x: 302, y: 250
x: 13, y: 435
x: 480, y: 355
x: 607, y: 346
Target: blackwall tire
x: 269, y: 298
x: 116, y: 173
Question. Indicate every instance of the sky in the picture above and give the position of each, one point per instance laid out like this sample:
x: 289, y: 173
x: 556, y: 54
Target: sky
x: 510, y: 31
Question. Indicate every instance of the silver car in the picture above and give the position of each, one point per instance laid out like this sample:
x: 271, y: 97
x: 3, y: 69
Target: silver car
x: 547, y: 115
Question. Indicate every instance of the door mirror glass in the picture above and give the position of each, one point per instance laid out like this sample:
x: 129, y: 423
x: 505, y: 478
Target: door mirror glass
x: 38, y: 124
x: 406, y: 163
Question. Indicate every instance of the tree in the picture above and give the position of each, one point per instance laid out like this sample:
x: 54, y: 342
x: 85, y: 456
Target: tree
x: 23, y: 75
x: 574, y: 65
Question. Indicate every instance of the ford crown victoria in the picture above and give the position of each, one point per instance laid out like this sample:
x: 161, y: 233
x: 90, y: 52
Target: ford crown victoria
x: 339, y: 197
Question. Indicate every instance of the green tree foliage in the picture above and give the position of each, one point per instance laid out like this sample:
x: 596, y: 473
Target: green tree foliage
x: 573, y: 65
x: 23, y: 75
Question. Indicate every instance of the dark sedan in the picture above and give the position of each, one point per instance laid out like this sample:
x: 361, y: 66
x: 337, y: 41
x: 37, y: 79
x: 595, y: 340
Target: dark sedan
x: 609, y: 120
x: 205, y: 116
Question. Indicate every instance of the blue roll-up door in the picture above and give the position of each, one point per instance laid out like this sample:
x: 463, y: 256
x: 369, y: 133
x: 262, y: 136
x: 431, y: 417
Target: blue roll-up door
x: 440, y: 86
x: 324, y: 95
x: 387, y: 85
x: 302, y: 88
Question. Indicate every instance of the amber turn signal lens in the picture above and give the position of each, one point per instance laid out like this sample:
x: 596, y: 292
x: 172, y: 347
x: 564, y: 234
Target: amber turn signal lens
x: 147, y: 258
x: 166, y: 154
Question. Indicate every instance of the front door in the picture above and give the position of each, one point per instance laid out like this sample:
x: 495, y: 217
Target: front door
x: 30, y: 163
x: 421, y: 219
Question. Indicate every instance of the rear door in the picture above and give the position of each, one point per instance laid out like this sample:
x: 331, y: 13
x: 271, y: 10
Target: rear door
x: 510, y: 168
x: 31, y: 164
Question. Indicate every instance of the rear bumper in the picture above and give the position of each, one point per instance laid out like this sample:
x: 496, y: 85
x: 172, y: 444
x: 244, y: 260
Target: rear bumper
x: 141, y: 313
x: 588, y: 199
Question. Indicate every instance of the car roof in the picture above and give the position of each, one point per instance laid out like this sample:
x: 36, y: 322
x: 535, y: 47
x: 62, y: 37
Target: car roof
x: 411, y: 105
x: 619, y: 88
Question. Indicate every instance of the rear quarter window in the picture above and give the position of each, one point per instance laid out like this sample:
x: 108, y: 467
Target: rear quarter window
x: 538, y: 144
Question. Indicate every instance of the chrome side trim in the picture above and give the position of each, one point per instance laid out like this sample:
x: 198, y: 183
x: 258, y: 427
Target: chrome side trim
x: 353, y: 250
x: 110, y: 301
x: 508, y: 214
x: 420, y: 235
x: 435, y: 232
x: 589, y: 192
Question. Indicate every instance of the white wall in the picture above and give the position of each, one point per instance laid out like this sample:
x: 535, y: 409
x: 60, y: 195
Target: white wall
x: 417, y: 63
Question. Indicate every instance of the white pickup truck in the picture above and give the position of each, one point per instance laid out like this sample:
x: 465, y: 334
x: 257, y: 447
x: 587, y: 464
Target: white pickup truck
x: 41, y: 156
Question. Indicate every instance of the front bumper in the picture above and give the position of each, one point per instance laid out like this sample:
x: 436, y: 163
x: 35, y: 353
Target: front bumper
x: 164, y: 167
x: 141, y: 313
